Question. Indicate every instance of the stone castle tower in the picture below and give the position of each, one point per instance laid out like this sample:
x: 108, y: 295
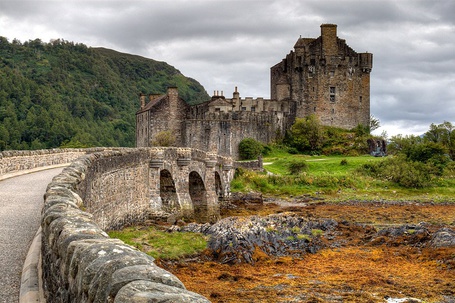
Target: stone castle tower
x: 326, y: 78
x: 321, y: 76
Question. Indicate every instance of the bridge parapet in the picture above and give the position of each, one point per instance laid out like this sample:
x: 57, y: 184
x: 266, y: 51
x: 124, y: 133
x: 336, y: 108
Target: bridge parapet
x: 80, y: 262
x: 19, y: 160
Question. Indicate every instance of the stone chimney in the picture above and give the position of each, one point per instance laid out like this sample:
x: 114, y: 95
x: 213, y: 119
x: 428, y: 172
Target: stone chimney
x: 329, y: 39
x: 142, y: 99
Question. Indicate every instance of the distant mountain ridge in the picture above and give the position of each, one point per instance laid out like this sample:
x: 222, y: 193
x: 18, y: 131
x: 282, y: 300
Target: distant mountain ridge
x: 67, y: 94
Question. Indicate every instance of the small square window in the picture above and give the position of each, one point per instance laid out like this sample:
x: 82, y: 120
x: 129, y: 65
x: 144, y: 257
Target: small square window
x: 253, y: 109
x: 243, y: 108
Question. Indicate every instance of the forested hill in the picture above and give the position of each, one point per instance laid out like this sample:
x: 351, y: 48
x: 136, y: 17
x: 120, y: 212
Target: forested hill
x: 65, y: 94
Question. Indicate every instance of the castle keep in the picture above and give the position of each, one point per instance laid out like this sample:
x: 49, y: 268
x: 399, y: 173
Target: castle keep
x: 326, y: 78
x: 322, y: 76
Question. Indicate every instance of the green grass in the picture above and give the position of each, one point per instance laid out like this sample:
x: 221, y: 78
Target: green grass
x: 319, y: 165
x: 160, y: 244
x: 328, y: 178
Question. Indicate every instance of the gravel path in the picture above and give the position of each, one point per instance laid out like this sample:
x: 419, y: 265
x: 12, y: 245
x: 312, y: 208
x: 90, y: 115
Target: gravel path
x: 21, y: 200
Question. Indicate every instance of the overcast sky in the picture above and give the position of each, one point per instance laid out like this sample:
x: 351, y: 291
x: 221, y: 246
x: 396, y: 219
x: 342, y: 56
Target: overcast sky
x: 224, y: 44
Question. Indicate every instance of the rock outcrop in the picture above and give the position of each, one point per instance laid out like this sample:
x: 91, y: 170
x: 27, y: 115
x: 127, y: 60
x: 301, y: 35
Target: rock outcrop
x: 247, y: 239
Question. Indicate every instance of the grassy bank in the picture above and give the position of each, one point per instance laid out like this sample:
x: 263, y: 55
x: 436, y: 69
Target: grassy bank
x: 160, y: 244
x: 336, y: 178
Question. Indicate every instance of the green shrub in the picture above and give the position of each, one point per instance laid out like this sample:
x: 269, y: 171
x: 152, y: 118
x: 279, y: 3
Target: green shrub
x: 296, y: 167
x: 425, y: 151
x: 250, y: 149
x: 266, y: 150
x: 449, y: 170
x: 400, y: 171
x: 293, y: 151
x: 164, y: 138
x: 306, y: 134
x: 344, y: 162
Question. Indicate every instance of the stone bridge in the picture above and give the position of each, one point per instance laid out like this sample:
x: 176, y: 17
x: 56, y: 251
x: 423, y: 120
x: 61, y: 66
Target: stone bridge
x: 126, y: 184
x: 105, y: 189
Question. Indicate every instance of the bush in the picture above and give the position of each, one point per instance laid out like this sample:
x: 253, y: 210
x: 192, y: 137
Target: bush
x: 425, y: 151
x: 449, y: 170
x: 295, y: 167
x: 164, y: 138
x: 306, y: 134
x: 250, y: 149
x: 405, y: 173
x: 344, y: 162
x: 293, y: 151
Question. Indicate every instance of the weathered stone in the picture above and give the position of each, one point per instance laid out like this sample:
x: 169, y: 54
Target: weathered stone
x: 115, y: 187
x: 237, y: 240
x: 112, y: 282
x: 444, y: 237
x: 151, y: 292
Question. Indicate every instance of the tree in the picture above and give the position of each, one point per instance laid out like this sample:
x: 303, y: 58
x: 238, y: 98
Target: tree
x: 400, y: 144
x: 250, y: 149
x: 307, y: 134
x: 374, y: 123
x: 444, y: 134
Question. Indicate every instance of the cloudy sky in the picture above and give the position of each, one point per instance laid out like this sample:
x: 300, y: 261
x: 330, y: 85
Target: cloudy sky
x: 224, y: 44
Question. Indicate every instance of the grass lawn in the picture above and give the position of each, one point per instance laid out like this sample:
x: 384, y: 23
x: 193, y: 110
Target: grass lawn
x: 160, y: 244
x: 335, y: 178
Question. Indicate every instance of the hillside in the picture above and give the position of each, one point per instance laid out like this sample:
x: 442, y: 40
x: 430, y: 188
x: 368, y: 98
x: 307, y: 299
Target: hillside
x: 67, y: 94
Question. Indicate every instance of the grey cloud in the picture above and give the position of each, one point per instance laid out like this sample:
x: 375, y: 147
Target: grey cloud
x: 224, y: 44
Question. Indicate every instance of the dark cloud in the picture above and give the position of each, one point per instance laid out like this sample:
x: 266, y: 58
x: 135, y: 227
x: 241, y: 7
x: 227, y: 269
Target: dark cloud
x: 231, y: 43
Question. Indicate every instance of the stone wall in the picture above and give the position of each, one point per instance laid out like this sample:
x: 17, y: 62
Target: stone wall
x: 222, y: 132
x: 256, y: 165
x: 80, y: 262
x: 19, y: 160
x: 115, y: 189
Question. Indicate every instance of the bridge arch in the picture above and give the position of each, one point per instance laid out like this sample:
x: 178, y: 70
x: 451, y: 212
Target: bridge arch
x: 198, y: 194
x: 219, y: 188
x: 168, y: 192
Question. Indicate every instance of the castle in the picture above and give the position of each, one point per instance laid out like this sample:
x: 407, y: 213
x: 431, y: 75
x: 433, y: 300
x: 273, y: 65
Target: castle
x: 321, y: 76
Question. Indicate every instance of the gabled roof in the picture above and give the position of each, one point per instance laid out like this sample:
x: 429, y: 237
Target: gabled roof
x: 301, y: 42
x: 152, y: 103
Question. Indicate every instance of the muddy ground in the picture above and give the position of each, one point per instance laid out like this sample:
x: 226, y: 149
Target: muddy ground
x: 360, y: 266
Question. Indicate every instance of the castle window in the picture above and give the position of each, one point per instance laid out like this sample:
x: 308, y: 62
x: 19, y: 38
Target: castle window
x: 217, y: 109
x: 243, y: 108
x: 360, y: 99
x: 253, y: 109
x: 332, y: 73
x: 333, y: 111
x: 332, y: 94
x: 314, y: 109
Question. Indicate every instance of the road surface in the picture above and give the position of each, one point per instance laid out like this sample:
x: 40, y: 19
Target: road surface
x: 21, y: 200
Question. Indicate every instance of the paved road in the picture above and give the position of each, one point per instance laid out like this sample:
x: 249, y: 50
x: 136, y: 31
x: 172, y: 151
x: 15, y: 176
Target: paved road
x: 21, y: 200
